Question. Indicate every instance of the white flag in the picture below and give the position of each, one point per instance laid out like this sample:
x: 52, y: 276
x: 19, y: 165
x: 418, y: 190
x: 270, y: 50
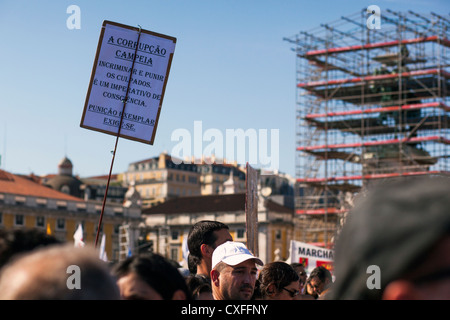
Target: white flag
x: 185, y: 251
x: 78, y: 237
x: 102, y: 254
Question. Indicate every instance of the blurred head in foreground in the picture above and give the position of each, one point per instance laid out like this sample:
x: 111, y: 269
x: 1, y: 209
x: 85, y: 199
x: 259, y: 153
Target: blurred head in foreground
x: 395, y: 243
x: 150, y: 277
x: 58, y: 272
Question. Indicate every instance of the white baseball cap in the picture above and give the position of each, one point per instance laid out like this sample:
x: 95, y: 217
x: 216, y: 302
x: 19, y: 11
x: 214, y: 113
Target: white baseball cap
x: 233, y: 253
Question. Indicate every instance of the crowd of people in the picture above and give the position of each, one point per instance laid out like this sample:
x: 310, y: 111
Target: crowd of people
x: 402, y: 228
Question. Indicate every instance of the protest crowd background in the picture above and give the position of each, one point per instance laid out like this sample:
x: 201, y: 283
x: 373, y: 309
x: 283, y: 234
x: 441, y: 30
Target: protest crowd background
x: 366, y: 218
x: 399, y: 230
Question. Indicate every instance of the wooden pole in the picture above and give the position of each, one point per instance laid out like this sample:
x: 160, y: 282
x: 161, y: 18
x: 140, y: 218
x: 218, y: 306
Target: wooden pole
x: 251, y: 209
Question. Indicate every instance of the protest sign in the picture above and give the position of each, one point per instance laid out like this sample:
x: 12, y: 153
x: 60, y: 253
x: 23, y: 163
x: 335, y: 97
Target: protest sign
x: 128, y: 82
x: 127, y: 86
x: 311, y: 256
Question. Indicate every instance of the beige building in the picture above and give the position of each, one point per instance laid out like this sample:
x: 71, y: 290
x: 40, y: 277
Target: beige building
x: 26, y: 204
x: 221, y: 178
x: 159, y: 179
x: 167, y: 225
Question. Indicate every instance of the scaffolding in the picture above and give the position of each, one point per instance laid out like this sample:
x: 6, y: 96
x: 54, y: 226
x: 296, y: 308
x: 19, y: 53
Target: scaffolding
x: 371, y: 104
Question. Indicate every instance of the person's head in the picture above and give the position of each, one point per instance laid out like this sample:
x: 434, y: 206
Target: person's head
x: 192, y: 266
x: 58, y: 272
x: 278, y: 281
x: 309, y: 290
x: 234, y: 272
x: 150, y: 277
x: 300, y: 269
x: 203, y: 238
x: 200, y: 287
x: 395, y: 242
x: 320, y: 279
x: 17, y: 241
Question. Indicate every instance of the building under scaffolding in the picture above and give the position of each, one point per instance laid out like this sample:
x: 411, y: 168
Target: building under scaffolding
x: 371, y: 105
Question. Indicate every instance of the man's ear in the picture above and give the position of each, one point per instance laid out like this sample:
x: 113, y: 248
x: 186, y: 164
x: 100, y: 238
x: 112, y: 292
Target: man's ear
x: 215, y: 277
x: 271, y: 289
x: 206, y: 250
x: 401, y: 290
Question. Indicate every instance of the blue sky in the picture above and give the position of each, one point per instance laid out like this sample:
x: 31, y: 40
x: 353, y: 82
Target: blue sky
x: 231, y: 69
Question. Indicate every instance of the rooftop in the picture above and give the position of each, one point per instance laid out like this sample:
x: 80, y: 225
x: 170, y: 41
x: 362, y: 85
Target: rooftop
x: 209, y: 203
x: 15, y: 184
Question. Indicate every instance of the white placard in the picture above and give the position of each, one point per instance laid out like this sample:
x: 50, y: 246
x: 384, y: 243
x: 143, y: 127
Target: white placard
x: 311, y: 256
x: 114, y: 77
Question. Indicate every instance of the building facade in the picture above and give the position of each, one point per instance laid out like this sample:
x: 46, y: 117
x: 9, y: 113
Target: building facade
x: 167, y: 225
x: 159, y: 179
x: 30, y: 205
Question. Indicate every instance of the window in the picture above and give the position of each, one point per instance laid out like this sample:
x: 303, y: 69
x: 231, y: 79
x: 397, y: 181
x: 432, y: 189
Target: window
x: 192, y: 180
x: 60, y: 224
x: 61, y: 205
x: 18, y: 220
x: 40, y: 221
x: 41, y: 203
x: 65, y: 189
x: 175, y: 235
x: 240, y: 233
x: 20, y: 200
x: 174, y: 254
x: 278, y: 234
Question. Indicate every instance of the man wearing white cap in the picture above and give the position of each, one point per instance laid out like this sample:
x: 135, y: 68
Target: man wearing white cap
x: 234, y: 272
